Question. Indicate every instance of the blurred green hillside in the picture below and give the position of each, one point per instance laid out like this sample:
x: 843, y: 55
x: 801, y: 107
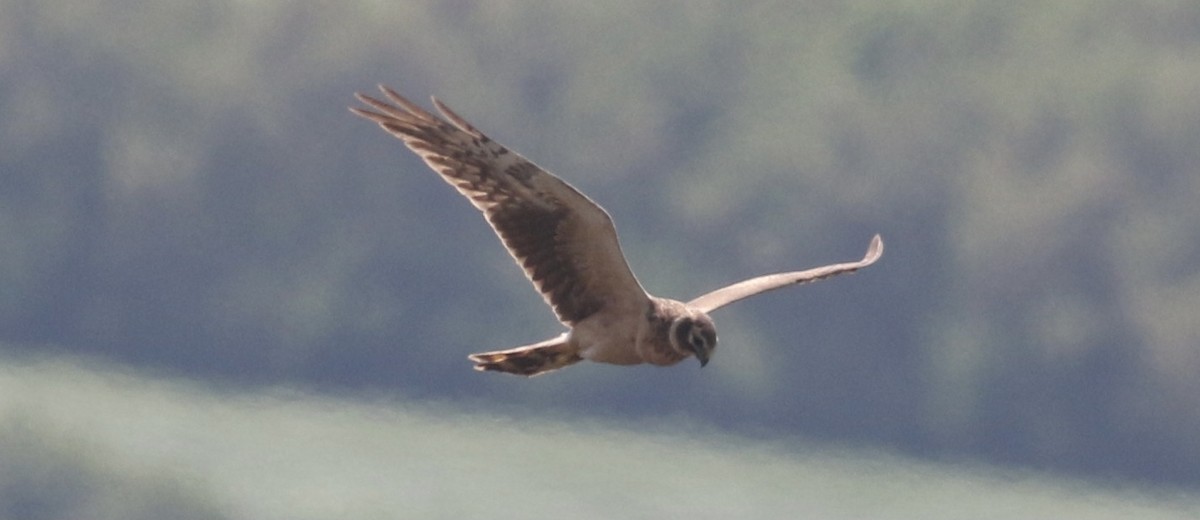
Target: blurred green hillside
x: 182, y: 191
x: 80, y: 441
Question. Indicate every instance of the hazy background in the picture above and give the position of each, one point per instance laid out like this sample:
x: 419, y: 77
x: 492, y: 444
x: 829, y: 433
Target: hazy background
x: 184, y: 200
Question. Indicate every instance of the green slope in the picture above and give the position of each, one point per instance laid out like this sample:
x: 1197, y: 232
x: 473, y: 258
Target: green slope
x: 103, y: 443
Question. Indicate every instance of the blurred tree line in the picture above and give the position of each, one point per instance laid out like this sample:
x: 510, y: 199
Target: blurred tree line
x: 182, y: 189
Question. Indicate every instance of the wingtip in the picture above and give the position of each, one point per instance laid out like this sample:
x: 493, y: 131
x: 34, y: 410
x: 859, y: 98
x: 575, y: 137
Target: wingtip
x: 362, y: 98
x: 479, y: 364
x: 874, y: 250
x: 454, y: 118
x: 387, y: 91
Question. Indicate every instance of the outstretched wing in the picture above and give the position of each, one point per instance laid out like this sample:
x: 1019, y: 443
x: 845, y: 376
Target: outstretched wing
x: 566, y: 243
x: 745, y: 289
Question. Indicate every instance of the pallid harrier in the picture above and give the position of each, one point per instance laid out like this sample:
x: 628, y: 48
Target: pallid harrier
x: 568, y: 247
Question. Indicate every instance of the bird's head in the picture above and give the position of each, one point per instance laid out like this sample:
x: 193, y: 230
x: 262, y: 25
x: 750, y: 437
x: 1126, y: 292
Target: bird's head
x: 694, y: 334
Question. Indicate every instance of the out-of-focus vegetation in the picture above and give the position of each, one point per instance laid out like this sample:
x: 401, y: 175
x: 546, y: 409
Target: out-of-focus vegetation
x: 55, y: 463
x: 182, y: 189
x: 77, y: 434
x: 48, y: 473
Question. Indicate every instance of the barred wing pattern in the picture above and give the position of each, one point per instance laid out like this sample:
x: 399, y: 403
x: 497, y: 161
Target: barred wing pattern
x: 566, y: 244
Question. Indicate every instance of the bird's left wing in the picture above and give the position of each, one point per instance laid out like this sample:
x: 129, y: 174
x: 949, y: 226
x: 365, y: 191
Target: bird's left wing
x: 747, y: 288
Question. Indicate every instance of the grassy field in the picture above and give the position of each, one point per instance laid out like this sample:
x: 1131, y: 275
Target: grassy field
x: 81, y: 442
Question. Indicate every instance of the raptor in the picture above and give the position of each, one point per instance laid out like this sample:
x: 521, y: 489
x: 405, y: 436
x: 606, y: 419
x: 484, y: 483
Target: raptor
x: 568, y: 248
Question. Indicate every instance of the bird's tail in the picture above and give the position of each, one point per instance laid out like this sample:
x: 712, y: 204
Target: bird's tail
x: 529, y: 360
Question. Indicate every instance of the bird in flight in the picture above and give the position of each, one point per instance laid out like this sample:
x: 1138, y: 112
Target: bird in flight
x: 568, y: 248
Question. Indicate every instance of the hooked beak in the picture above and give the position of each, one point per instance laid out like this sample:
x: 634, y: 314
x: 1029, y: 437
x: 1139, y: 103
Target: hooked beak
x: 702, y: 355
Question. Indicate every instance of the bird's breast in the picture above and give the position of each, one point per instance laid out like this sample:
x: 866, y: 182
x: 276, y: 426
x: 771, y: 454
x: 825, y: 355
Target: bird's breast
x: 608, y: 339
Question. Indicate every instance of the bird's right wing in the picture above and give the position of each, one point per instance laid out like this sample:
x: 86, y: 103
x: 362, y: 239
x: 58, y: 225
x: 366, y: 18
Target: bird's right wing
x: 747, y: 288
x: 565, y: 243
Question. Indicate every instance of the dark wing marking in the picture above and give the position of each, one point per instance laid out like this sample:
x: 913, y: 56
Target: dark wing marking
x: 745, y: 289
x: 566, y: 243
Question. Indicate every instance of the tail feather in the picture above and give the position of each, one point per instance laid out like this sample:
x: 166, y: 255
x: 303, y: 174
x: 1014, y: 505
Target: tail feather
x: 529, y: 360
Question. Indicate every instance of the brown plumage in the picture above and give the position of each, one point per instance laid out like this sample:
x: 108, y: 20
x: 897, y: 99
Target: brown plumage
x: 529, y: 360
x: 567, y: 246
